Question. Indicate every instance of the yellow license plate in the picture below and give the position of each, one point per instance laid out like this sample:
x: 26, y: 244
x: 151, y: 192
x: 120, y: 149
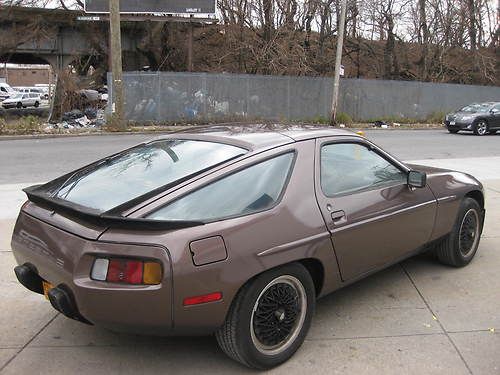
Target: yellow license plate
x: 46, y: 288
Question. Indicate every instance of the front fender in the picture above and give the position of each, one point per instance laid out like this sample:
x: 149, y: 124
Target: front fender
x: 450, y: 188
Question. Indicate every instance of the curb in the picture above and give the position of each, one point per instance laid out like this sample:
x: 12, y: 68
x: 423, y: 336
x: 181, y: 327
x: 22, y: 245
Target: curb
x: 48, y: 136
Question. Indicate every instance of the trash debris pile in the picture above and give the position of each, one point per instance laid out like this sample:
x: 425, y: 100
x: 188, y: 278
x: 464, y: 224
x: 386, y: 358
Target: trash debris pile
x: 76, y: 119
x: 385, y: 125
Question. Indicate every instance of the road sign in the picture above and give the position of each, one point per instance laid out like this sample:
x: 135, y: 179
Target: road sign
x: 154, y: 6
x: 88, y: 18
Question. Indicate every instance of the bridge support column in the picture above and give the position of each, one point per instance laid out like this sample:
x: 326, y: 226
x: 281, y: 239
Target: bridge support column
x: 59, y: 62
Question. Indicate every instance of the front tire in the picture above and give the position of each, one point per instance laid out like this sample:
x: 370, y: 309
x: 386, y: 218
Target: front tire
x: 480, y: 127
x: 37, y: 104
x: 269, y: 318
x: 453, y: 131
x: 460, y: 246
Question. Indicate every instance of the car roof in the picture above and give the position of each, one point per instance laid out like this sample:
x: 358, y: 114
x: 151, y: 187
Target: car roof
x: 259, y: 136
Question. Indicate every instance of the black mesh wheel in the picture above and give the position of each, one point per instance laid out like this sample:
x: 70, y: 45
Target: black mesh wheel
x: 269, y: 317
x: 459, y: 247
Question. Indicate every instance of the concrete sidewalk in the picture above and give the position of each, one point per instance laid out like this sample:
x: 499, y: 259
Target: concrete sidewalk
x: 418, y: 317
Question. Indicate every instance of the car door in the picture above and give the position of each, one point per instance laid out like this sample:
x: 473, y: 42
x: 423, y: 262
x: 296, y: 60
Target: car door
x: 495, y: 116
x: 3, y: 93
x: 373, y: 216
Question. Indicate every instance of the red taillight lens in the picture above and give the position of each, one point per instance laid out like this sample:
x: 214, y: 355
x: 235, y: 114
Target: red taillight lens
x: 128, y: 271
x: 116, y: 271
x: 133, y: 272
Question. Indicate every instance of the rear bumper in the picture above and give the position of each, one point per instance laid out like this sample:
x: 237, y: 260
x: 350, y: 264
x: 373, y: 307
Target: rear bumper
x: 65, y: 260
x: 61, y: 298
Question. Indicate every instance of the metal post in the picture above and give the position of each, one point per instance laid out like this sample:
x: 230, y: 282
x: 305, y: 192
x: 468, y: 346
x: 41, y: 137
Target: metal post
x: 50, y: 83
x: 190, y: 47
x: 338, y: 61
x: 117, y: 122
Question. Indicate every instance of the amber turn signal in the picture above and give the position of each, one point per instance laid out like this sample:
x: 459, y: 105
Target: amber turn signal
x: 152, y: 273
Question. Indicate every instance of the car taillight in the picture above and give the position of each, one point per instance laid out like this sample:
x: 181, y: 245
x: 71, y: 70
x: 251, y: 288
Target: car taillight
x: 127, y: 271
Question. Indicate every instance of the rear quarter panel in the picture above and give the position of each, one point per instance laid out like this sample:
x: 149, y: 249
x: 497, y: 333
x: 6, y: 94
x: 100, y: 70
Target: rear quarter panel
x: 292, y: 230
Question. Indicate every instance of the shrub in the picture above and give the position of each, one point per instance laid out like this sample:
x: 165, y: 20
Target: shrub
x: 28, y: 125
x: 436, y: 117
x: 343, y: 118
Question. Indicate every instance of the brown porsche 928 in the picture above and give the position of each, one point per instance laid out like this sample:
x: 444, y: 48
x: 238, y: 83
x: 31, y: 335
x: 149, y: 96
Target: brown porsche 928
x: 235, y: 231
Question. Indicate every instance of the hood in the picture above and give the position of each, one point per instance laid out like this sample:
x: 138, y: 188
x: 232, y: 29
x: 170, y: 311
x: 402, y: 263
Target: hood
x: 429, y: 170
x: 445, y: 181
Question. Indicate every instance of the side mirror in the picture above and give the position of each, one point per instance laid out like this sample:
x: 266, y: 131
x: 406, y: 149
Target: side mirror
x: 417, y: 179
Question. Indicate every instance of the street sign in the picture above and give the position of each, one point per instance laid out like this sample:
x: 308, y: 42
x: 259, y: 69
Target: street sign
x: 154, y: 6
x: 88, y: 18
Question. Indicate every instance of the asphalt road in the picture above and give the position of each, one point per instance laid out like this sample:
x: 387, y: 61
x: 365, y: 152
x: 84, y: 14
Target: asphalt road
x: 37, y: 160
x: 416, y: 317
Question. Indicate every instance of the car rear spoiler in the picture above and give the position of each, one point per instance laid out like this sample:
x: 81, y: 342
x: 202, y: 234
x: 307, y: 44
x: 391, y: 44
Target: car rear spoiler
x: 104, y: 219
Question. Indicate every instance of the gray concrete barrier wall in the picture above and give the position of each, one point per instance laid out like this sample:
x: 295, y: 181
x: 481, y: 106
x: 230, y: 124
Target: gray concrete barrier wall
x: 184, y: 97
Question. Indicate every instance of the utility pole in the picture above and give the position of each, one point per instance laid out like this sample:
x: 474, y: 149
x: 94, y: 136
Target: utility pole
x: 338, y: 61
x: 190, y: 47
x: 117, y: 122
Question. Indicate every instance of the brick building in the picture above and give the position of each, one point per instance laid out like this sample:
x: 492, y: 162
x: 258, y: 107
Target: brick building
x: 26, y: 75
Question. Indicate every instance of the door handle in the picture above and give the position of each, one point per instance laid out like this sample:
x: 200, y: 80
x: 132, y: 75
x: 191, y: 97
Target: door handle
x: 338, y: 215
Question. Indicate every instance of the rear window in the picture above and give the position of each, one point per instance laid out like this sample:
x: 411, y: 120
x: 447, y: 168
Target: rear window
x: 111, y: 182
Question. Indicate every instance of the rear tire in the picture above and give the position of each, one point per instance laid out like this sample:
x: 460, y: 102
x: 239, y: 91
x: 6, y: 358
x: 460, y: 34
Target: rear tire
x: 19, y: 105
x: 459, y: 247
x: 453, y: 131
x: 480, y: 127
x: 269, y: 317
x: 37, y: 104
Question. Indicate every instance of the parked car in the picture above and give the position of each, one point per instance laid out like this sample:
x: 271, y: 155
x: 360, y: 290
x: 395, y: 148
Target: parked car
x: 33, y: 90
x: 47, y: 90
x: 237, y: 231
x: 22, y: 100
x: 480, y: 118
x: 5, y: 91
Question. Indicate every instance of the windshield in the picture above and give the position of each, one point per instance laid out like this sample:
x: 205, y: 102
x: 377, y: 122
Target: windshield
x: 140, y: 170
x: 474, y: 108
x: 17, y: 96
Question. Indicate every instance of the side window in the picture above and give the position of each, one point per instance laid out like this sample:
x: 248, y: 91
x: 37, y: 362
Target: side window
x: 496, y: 108
x: 250, y: 190
x: 351, y: 167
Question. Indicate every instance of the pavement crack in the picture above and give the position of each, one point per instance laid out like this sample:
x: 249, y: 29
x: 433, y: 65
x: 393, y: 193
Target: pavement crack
x: 438, y: 321
x: 490, y: 188
x: 374, y: 337
x: 28, y: 342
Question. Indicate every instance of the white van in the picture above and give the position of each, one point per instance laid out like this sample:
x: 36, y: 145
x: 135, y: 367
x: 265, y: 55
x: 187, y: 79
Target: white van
x: 42, y: 91
x: 6, y: 91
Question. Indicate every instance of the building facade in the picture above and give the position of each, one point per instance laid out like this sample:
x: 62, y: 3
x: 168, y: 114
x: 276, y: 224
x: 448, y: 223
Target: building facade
x: 26, y: 75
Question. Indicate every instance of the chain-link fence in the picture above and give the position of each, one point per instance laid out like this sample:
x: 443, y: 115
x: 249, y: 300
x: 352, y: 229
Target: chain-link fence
x: 176, y: 97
